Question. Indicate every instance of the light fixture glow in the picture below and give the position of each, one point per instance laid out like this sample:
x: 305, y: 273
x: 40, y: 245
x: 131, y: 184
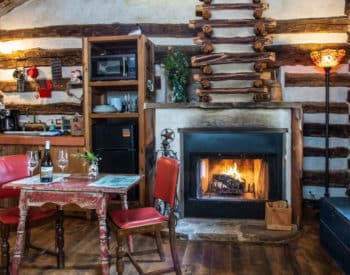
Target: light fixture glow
x: 327, y: 58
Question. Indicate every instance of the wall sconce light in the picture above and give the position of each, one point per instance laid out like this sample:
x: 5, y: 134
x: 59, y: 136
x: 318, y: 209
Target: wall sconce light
x: 327, y: 59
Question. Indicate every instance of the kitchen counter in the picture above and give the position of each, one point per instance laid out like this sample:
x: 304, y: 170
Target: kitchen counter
x: 7, y: 139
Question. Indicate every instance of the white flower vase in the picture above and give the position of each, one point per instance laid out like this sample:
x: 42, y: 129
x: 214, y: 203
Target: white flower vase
x: 93, y: 170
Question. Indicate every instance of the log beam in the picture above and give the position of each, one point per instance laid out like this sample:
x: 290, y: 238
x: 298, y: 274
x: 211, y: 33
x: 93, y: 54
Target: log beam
x: 232, y: 23
x: 347, y: 7
x: 30, y: 86
x: 236, y: 6
x: 47, y: 109
x: 319, y: 107
x: 227, y: 58
x: 318, y: 130
x: 316, y: 80
x: 299, y: 54
x: 233, y: 76
x: 246, y: 90
x: 149, y: 29
x: 316, y: 178
x: 337, y: 152
x: 232, y: 40
x: 325, y: 25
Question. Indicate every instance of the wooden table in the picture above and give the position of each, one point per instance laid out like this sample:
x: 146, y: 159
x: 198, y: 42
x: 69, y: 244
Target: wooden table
x: 73, y: 189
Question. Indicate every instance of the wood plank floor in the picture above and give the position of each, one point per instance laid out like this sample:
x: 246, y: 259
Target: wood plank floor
x: 303, y: 255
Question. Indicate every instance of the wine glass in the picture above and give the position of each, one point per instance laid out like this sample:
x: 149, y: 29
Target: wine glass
x: 62, y: 159
x: 32, y: 161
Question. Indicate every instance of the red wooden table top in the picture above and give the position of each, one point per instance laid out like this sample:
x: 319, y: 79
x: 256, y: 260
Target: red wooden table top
x: 75, y: 183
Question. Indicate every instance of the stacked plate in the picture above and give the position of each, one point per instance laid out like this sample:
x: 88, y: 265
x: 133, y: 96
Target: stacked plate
x: 104, y: 109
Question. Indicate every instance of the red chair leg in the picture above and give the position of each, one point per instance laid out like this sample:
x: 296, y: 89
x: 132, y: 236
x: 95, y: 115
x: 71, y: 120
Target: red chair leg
x: 172, y: 240
x: 5, y: 247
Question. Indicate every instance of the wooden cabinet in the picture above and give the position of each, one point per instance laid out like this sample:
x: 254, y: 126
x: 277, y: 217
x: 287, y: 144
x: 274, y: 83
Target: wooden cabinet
x: 98, y: 91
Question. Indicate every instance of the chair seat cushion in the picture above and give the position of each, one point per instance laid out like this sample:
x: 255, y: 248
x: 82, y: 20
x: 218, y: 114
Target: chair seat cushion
x: 11, y: 215
x: 136, y: 217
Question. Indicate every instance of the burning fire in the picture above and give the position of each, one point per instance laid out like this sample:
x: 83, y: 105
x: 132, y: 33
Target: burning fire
x: 233, y: 172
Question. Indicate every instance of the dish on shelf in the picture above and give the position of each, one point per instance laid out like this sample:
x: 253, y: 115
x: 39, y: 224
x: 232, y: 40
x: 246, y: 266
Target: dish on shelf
x: 104, y: 109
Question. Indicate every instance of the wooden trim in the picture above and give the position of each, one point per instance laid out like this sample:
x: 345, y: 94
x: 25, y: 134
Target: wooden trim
x: 297, y: 165
x: 149, y: 29
x: 299, y: 54
x: 319, y: 107
x: 306, y: 25
x: 316, y: 80
x: 36, y: 140
x: 336, y: 178
x: 65, y: 108
x: 337, y: 152
x: 318, y: 130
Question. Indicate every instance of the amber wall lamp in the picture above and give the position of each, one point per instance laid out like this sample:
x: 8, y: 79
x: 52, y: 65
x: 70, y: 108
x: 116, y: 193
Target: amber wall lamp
x: 327, y: 59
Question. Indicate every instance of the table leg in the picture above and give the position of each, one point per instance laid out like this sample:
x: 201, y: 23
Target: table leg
x: 23, y: 210
x: 124, y: 200
x: 101, y: 209
x: 60, y: 238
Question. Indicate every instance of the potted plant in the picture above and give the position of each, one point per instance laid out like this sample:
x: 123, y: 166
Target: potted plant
x: 177, y: 71
x: 92, y: 160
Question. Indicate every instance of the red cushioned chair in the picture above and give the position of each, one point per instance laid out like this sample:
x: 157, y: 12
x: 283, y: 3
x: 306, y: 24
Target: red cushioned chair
x: 149, y: 220
x: 12, y: 168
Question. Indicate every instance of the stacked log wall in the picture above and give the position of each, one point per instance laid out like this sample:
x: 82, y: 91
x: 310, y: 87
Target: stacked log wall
x: 300, y: 28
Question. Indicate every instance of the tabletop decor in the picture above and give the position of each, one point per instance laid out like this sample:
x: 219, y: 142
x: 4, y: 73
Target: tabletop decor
x: 92, y: 160
x: 327, y: 59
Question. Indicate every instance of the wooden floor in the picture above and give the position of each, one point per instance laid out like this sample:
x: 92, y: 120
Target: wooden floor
x: 301, y: 256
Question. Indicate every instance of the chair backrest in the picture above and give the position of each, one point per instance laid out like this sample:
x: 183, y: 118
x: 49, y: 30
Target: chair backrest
x: 166, y: 179
x: 12, y: 167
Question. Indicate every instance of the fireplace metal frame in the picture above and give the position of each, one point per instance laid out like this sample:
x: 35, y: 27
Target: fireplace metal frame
x: 255, y: 207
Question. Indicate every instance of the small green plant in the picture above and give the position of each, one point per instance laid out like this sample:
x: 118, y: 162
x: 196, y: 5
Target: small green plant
x: 88, y: 157
x: 177, y: 71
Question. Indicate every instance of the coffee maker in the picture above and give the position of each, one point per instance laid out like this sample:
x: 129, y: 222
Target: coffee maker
x: 8, y: 120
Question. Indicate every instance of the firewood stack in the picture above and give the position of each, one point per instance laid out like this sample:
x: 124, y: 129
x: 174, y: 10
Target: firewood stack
x: 261, y: 61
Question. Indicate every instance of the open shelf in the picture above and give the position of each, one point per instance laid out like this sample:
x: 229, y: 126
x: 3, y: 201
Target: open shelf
x: 114, y: 115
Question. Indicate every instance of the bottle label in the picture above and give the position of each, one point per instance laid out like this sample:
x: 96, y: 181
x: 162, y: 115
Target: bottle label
x: 46, y: 174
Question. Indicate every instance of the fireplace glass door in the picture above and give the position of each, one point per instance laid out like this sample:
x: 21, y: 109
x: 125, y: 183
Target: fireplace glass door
x: 233, y: 178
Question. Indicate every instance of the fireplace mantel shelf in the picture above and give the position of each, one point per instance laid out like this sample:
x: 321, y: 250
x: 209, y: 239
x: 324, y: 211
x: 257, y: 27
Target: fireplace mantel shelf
x: 225, y: 105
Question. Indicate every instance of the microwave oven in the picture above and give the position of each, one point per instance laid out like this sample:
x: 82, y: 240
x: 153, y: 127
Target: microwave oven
x: 114, y: 67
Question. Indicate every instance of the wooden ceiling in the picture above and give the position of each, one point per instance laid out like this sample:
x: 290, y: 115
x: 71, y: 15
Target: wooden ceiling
x: 7, y: 5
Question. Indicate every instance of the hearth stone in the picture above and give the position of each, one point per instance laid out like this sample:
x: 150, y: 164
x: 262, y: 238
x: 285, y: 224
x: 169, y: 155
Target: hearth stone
x: 235, y: 230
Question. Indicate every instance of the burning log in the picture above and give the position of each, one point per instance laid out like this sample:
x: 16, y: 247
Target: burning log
x: 224, y: 184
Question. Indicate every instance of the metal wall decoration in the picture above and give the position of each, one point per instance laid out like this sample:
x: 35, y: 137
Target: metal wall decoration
x: 167, y: 136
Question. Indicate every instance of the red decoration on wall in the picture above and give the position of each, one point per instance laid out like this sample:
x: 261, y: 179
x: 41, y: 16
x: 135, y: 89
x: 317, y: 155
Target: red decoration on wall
x: 33, y: 72
x: 45, y: 92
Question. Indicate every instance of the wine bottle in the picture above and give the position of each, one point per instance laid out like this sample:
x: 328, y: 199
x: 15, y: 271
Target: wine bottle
x: 46, y: 167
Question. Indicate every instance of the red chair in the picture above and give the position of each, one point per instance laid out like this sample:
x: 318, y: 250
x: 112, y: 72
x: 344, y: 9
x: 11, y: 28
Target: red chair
x: 149, y: 220
x: 12, y: 168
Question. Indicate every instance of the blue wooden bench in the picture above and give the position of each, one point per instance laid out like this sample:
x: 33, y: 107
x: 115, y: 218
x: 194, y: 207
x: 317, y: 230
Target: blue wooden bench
x: 335, y: 229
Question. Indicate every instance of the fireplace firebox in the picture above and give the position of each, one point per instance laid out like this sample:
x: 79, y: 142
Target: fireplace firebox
x: 231, y: 173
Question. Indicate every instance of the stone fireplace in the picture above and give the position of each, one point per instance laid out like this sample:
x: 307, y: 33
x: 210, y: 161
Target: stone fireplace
x: 261, y: 142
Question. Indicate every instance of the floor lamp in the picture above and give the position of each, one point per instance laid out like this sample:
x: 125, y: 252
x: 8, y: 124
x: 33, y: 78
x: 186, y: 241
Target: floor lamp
x: 327, y: 59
